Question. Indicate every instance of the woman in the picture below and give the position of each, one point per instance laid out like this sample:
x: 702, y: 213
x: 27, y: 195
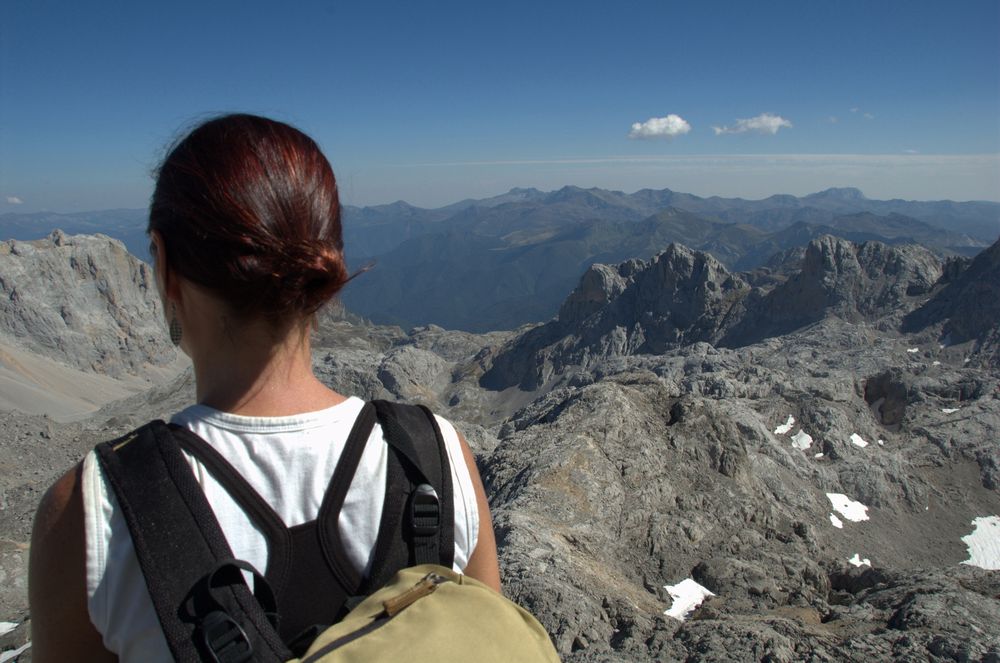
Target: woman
x: 246, y: 238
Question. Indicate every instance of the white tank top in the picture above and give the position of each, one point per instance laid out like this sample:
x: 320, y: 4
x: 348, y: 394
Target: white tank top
x: 289, y: 462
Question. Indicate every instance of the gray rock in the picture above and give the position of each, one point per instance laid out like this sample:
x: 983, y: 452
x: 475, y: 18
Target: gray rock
x: 967, y: 306
x: 83, y: 301
x: 677, y: 298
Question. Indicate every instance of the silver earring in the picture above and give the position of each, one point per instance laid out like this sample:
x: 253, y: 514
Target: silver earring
x: 176, y: 332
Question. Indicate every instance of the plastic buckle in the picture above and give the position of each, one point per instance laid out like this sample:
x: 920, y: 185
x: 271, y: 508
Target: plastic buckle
x: 225, y: 640
x: 425, y: 511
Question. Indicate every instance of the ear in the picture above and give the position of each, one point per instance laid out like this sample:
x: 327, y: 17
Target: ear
x: 166, y: 280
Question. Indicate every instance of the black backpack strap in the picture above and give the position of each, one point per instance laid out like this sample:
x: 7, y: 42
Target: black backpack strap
x: 418, y: 514
x: 331, y: 538
x: 256, y: 508
x: 177, y: 539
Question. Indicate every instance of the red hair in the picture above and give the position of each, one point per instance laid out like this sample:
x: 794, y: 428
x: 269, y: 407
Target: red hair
x: 248, y: 209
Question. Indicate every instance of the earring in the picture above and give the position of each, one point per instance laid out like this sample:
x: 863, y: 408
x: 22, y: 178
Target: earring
x: 176, y: 332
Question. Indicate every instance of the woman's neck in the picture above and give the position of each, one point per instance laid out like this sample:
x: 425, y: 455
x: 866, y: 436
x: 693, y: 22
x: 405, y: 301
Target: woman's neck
x: 251, y: 373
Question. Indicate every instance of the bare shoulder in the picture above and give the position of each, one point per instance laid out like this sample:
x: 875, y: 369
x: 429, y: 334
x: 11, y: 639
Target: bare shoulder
x: 57, y: 577
x: 483, y: 564
x: 59, y: 502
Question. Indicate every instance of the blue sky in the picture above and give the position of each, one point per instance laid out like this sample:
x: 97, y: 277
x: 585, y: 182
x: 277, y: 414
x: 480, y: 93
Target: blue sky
x: 438, y: 101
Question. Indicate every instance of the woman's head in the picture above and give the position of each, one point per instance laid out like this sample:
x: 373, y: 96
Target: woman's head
x: 247, y: 208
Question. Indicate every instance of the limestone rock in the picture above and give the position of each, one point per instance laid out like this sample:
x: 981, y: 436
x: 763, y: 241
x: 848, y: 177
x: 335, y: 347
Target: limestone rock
x: 83, y: 301
x: 968, y: 305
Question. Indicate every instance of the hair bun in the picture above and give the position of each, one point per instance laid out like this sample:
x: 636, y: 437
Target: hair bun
x: 313, y: 275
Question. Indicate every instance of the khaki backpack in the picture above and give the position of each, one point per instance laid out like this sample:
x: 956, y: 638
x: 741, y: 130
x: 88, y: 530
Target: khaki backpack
x: 430, y: 613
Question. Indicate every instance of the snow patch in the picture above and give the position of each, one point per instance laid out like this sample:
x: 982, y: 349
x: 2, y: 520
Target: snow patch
x: 949, y: 410
x: 858, y: 441
x: 935, y: 363
x: 819, y: 455
x: 14, y: 653
x: 848, y: 508
x: 881, y: 442
x: 857, y: 561
x: 785, y: 427
x: 912, y: 350
x: 984, y: 543
x: 687, y: 595
x: 835, y: 521
x: 802, y: 440
x: 7, y: 627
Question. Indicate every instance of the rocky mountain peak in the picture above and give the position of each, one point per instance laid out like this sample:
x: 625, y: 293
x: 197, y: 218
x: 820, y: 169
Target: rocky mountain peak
x: 846, y: 194
x: 843, y: 279
x: 681, y: 297
x: 967, y: 305
x: 83, y: 301
x: 857, y: 275
x: 599, y: 285
x: 678, y: 297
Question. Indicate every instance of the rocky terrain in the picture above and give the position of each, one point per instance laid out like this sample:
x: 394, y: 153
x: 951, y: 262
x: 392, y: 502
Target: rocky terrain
x: 79, y: 325
x: 751, y: 432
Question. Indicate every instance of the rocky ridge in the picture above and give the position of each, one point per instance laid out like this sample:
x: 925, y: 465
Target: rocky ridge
x: 682, y: 296
x: 83, y: 301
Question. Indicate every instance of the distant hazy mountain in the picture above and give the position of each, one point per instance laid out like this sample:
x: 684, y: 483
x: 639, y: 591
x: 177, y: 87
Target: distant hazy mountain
x: 503, y: 261
x: 500, y: 265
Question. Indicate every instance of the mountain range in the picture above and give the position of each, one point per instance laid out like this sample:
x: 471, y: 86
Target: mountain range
x: 501, y: 262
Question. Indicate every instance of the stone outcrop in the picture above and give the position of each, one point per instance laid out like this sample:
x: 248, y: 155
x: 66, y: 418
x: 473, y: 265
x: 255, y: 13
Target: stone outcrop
x: 83, y: 301
x: 855, y: 282
x: 638, y: 307
x: 966, y: 306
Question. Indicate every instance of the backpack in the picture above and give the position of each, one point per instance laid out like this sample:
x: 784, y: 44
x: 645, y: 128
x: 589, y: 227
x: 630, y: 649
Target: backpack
x: 421, y: 608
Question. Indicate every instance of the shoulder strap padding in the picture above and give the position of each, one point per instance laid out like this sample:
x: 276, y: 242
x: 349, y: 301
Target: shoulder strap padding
x: 418, y: 457
x: 177, y: 538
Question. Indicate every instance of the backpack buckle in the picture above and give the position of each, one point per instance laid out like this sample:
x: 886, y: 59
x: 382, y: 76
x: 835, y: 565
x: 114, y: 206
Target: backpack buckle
x: 425, y: 511
x: 225, y: 640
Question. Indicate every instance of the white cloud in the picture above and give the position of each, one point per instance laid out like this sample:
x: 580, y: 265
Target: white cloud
x: 765, y: 123
x: 869, y: 116
x: 668, y: 127
x: 14, y: 200
x: 833, y: 119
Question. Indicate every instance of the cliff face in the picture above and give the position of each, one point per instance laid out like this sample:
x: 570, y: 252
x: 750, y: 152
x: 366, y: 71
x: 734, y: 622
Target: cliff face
x: 854, y: 282
x: 638, y: 307
x: 682, y: 297
x: 966, y: 306
x: 84, y: 302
